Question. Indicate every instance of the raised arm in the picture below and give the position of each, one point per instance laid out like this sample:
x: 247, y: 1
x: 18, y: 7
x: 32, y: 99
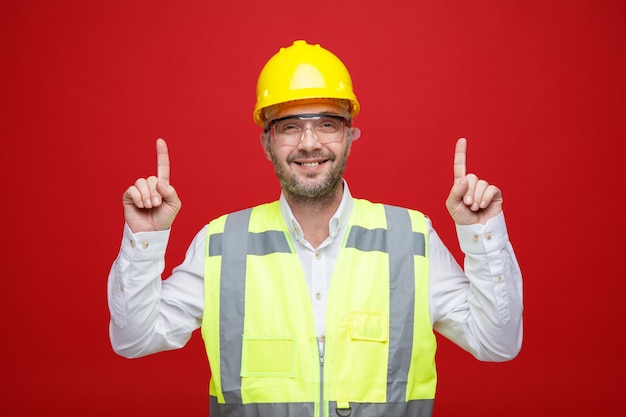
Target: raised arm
x: 479, y: 307
x: 148, y: 314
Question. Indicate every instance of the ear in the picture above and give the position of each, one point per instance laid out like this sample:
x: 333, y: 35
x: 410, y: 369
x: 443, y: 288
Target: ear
x: 356, y: 133
x: 265, y: 143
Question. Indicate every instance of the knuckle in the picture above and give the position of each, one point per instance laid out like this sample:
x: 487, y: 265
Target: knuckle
x: 139, y: 182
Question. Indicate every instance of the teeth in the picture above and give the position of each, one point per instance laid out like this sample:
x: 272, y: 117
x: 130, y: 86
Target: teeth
x: 310, y: 164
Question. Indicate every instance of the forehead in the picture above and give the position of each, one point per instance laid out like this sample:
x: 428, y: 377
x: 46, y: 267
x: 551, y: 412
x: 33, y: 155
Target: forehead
x: 289, y: 109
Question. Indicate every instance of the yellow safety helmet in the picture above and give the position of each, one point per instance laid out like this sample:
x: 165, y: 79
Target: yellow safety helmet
x: 303, y: 71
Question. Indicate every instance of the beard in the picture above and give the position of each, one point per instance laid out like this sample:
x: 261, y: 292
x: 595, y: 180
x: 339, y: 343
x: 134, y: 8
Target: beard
x: 296, y: 188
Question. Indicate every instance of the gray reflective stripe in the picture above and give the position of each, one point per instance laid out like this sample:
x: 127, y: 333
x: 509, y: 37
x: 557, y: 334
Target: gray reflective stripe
x: 268, y: 242
x: 419, y: 244
x: 232, y: 290
x: 401, y: 301
x: 232, y: 298
x: 260, y: 409
x: 215, y: 244
x: 367, y: 240
x: 259, y: 244
x: 413, y: 408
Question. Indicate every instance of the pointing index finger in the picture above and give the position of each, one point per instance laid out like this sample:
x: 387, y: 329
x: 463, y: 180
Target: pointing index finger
x: 163, y: 161
x: 460, y: 156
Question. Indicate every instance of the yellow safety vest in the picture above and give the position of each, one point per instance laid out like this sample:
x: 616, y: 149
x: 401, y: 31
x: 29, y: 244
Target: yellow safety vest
x: 259, y: 329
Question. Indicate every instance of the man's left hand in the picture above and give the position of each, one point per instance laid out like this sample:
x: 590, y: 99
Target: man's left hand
x: 471, y: 200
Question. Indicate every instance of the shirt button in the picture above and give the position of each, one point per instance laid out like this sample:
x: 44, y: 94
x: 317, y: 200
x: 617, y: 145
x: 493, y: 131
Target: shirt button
x: 318, y: 296
x: 318, y: 256
x: 322, y: 338
x: 475, y: 238
x: 133, y: 243
x: 488, y: 236
x: 500, y: 278
x: 145, y: 245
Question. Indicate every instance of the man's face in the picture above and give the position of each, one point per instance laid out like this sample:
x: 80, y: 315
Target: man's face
x: 309, y: 170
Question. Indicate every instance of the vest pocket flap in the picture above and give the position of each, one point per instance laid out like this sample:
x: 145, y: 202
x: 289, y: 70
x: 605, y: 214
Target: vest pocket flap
x: 369, y: 326
x: 268, y: 356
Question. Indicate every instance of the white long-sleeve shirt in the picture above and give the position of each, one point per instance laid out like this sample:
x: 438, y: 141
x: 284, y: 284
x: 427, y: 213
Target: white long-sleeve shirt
x: 479, y: 309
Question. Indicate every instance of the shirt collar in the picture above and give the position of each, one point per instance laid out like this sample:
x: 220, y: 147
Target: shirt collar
x: 337, y: 222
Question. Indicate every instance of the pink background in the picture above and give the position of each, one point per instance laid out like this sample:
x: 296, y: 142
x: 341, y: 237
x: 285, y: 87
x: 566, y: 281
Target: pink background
x: 538, y: 88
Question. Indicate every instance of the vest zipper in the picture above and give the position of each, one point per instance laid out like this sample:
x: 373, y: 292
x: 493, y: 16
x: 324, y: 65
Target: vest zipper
x: 320, y: 347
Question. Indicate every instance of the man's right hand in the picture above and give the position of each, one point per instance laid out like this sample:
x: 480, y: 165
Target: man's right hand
x: 151, y: 204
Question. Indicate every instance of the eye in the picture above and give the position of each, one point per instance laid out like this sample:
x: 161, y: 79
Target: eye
x: 287, y: 128
x: 329, y: 125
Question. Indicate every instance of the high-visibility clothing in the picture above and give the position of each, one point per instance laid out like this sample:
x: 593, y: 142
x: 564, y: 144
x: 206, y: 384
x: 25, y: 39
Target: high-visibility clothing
x: 259, y: 329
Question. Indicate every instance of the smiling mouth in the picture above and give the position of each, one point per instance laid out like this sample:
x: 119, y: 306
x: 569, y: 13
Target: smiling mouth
x: 310, y: 164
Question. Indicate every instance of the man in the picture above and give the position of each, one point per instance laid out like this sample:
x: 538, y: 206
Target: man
x: 319, y: 303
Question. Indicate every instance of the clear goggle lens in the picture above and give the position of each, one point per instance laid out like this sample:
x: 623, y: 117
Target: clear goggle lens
x: 290, y: 130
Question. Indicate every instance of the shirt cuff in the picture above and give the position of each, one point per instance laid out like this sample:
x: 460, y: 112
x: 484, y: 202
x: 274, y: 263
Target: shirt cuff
x: 480, y: 239
x: 144, y: 245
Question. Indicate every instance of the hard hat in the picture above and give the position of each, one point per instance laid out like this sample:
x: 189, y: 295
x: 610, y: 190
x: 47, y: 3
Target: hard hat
x: 303, y: 71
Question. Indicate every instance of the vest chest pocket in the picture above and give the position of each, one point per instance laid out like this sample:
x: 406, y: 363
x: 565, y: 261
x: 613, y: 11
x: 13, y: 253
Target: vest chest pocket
x: 358, y: 357
x: 268, y: 356
x: 369, y: 326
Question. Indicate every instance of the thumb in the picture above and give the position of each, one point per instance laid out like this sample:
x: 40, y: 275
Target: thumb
x: 454, y: 202
x: 459, y: 188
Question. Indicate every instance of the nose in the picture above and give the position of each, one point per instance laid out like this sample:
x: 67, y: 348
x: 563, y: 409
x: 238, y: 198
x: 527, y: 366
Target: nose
x: 309, y: 141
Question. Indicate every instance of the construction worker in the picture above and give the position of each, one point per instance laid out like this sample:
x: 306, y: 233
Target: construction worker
x: 317, y: 304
